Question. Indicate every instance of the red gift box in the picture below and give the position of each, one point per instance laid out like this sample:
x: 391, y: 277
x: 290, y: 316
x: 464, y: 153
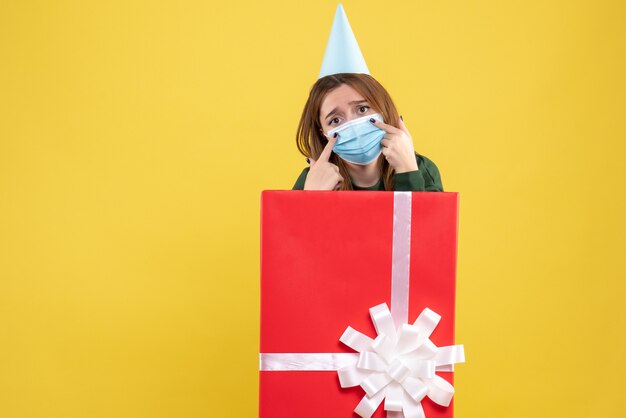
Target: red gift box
x: 326, y: 259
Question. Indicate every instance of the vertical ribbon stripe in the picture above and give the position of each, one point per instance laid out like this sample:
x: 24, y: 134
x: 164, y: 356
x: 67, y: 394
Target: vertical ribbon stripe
x: 401, y: 257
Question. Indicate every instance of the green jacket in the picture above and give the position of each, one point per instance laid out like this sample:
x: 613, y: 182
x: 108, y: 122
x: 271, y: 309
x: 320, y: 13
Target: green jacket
x: 426, y: 178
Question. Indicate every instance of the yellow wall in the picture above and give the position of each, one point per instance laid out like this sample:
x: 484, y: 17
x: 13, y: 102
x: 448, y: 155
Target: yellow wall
x: 136, y: 136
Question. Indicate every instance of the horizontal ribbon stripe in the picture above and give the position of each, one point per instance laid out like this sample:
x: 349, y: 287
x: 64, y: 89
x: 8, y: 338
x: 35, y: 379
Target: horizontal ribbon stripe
x: 306, y: 361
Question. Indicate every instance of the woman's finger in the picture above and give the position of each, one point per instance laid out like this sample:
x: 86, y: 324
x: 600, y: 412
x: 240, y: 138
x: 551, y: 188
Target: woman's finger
x: 325, y: 155
x: 387, y: 128
x: 403, y: 126
x: 339, y: 180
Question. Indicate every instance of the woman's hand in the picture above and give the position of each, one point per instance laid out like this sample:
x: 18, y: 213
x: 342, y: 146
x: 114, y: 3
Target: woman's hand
x: 323, y: 175
x: 398, y: 147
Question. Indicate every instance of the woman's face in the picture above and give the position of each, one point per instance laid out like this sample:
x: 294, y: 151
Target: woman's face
x: 342, y: 105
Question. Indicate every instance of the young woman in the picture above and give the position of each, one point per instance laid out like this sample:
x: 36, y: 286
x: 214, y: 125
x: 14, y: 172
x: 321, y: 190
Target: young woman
x: 354, y: 139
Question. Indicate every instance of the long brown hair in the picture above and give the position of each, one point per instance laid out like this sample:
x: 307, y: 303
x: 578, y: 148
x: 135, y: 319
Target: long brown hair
x: 311, y: 141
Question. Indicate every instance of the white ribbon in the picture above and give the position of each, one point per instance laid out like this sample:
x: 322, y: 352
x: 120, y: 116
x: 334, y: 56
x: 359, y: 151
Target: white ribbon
x: 399, y: 365
x: 401, y: 257
x: 306, y: 361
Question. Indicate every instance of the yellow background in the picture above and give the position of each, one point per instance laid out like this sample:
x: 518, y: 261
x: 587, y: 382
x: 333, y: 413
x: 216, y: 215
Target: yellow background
x: 136, y: 137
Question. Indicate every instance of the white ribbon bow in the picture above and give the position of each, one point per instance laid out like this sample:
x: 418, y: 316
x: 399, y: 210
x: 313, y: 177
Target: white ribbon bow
x: 399, y: 365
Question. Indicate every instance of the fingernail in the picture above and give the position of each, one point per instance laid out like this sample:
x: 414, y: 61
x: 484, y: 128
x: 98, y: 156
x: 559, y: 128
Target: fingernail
x: 335, y: 134
x: 308, y: 161
x: 372, y: 120
x: 402, y: 118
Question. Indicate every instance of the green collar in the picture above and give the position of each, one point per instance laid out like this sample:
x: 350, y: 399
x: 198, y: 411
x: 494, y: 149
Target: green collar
x: 380, y: 185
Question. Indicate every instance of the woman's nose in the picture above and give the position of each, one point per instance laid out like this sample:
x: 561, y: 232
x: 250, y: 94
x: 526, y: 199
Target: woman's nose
x: 352, y: 116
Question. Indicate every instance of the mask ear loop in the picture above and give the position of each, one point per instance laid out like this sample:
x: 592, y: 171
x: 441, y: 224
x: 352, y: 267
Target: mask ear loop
x: 323, y: 133
x: 326, y: 134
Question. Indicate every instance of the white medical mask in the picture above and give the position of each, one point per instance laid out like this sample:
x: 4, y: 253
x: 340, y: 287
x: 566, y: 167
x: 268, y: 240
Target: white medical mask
x: 358, y: 140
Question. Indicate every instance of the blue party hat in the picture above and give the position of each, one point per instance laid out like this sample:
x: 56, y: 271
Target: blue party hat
x: 342, y: 51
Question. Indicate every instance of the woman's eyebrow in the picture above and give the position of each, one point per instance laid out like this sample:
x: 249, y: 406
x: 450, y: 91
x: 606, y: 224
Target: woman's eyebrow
x: 332, y: 112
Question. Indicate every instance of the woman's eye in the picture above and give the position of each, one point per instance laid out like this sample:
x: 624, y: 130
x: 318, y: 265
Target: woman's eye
x: 364, y: 107
x: 336, y: 119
